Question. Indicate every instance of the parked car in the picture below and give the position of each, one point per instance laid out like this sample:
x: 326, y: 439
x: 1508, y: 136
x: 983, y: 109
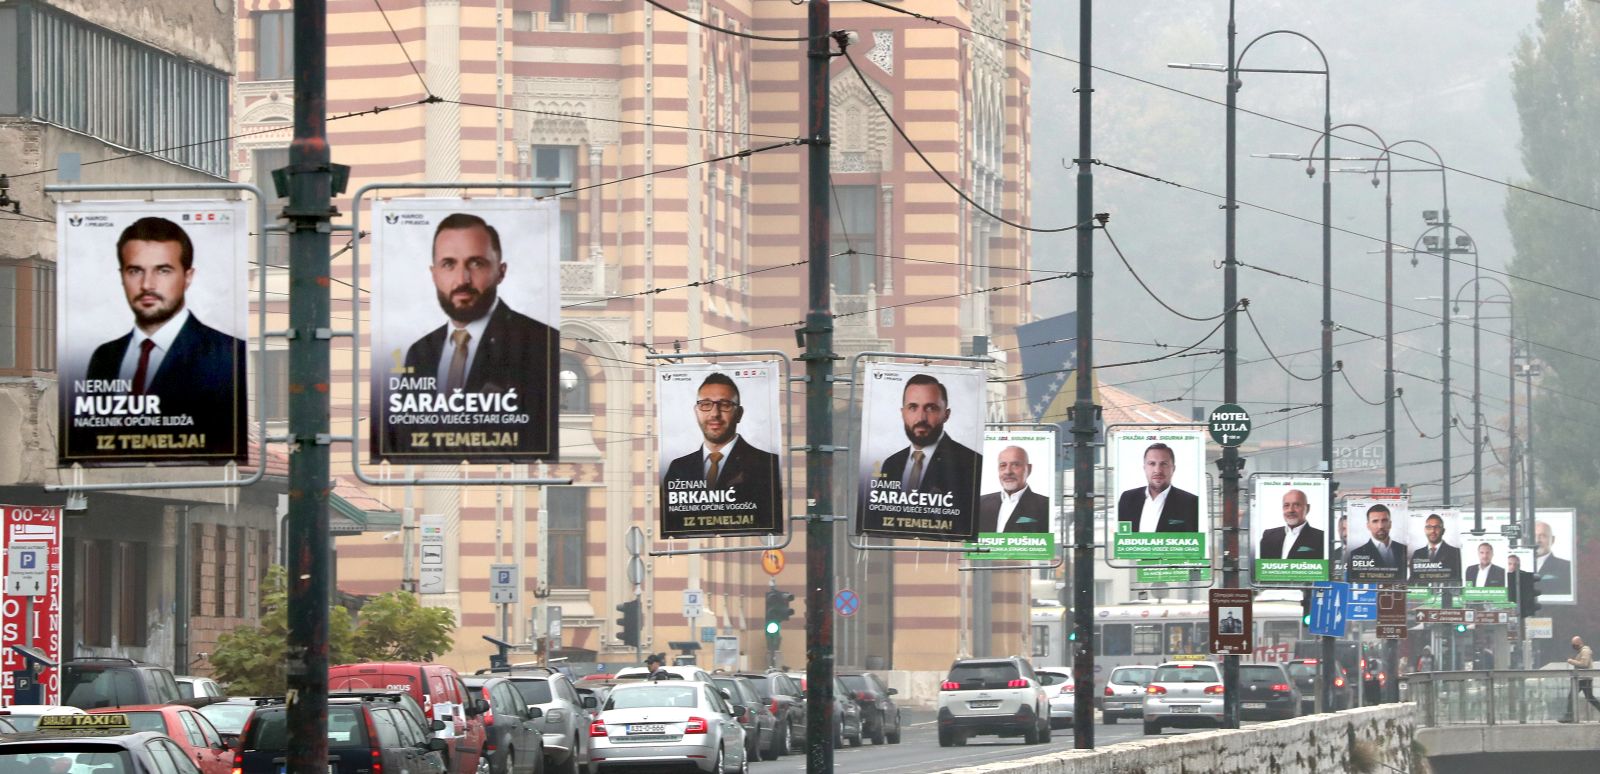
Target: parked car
x: 362, y: 731
x: 669, y: 723
x: 992, y: 696
x: 566, y: 714
x: 25, y: 717
x: 1183, y: 693
x: 229, y: 716
x: 514, y: 741
x: 438, y: 689
x: 192, y: 687
x: 194, y: 734
x: 880, y: 715
x: 60, y: 745
x: 757, y: 719
x: 1266, y: 692
x: 95, y: 683
x: 1060, y: 689
x: 787, y: 702
x: 685, y: 672
x: 846, y: 715
x: 1307, y: 675
x: 1124, y: 694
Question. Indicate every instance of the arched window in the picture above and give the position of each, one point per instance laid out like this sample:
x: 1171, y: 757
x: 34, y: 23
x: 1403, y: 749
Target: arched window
x: 574, y: 384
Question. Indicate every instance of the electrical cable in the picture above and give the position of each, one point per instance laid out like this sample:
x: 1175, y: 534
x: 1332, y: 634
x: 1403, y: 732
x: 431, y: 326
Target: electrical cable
x: 1355, y: 391
x: 622, y: 121
x: 726, y: 157
x: 1268, y: 348
x: 1180, y: 353
x: 695, y: 284
x: 1401, y: 398
x: 1136, y: 278
x: 407, y: 54
x: 736, y: 33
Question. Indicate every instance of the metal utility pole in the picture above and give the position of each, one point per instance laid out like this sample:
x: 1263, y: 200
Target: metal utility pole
x: 819, y: 358
x: 1230, y: 462
x: 1083, y: 408
x: 1477, y: 394
x: 309, y: 214
x: 1444, y: 353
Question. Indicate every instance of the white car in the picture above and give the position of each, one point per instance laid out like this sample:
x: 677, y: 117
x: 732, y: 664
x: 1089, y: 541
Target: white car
x: 684, y: 672
x: 1059, y: 688
x: 1124, y: 695
x: 193, y: 687
x: 653, y: 725
x: 25, y: 717
x: 1183, y: 693
x: 1001, y: 696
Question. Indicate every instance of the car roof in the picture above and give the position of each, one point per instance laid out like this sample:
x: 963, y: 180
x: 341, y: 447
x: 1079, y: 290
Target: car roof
x: 1196, y: 662
x: 1134, y: 666
x: 122, y: 738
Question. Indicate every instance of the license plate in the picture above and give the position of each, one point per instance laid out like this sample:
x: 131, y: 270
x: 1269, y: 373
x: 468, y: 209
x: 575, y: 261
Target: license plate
x: 1186, y: 709
x: 1255, y: 705
x: 983, y: 704
x: 647, y: 728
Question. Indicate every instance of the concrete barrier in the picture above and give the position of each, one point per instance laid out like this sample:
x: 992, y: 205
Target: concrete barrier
x: 1361, y: 741
x: 916, y: 689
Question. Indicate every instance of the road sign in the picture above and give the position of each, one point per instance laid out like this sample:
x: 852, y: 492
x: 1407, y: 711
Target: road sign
x: 430, y: 571
x: 846, y: 602
x: 27, y: 569
x: 1511, y: 530
x: 1328, y: 601
x: 1540, y: 628
x: 1450, y: 615
x: 1363, y: 604
x: 635, y: 570
x: 772, y: 561
x: 1231, y: 622
x: 553, y: 626
x: 503, y: 584
x: 634, y: 542
x: 1392, y: 615
x: 1229, y: 424
x: 693, y: 603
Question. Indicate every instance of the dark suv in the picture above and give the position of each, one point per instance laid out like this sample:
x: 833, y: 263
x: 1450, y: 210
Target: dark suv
x: 880, y: 716
x: 364, y: 734
x: 102, y: 682
x: 787, y: 702
x: 513, y: 742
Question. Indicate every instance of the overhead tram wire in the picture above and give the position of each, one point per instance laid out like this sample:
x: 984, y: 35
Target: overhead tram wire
x: 1352, y: 232
x: 735, y: 33
x: 746, y: 153
x: 1270, y: 354
x: 1180, y: 353
x: 402, y: 47
x: 1136, y: 278
x: 695, y: 284
x: 867, y: 85
x: 1276, y: 119
x: 1356, y: 392
x: 621, y: 121
x: 1401, y: 399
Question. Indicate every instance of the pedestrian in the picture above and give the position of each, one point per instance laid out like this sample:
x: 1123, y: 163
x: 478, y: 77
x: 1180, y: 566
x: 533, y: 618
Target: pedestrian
x: 1584, y: 660
x: 652, y: 665
x: 1425, y: 661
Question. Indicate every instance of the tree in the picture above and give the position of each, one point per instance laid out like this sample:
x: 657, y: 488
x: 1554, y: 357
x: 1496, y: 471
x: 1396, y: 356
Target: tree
x: 1557, y: 247
x: 394, y: 627
x: 251, y: 660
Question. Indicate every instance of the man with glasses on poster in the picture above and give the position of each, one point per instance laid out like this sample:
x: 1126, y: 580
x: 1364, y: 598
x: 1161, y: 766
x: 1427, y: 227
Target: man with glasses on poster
x: 1437, y: 558
x: 727, y: 482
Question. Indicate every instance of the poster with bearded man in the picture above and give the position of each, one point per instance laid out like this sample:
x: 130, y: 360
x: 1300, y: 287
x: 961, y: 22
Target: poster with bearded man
x: 465, y: 330
x: 921, y: 428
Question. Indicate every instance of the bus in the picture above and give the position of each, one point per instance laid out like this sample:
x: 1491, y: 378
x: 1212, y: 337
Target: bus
x: 1156, y: 631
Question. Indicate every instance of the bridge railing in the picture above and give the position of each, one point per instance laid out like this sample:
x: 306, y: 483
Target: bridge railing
x: 1502, y: 697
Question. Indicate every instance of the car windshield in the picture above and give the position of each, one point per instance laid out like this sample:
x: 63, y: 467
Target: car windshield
x: 228, y: 718
x: 185, y: 690
x: 630, y: 697
x: 855, y: 682
x: 1261, y: 674
x: 65, y: 758
x: 533, y: 691
x: 91, y: 688
x: 1132, y: 676
x: 1301, y: 671
x: 147, y: 721
x: 1186, y: 673
x: 763, y: 688
x: 270, y: 731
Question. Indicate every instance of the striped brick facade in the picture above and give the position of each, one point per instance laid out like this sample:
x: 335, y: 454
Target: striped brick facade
x: 963, y: 100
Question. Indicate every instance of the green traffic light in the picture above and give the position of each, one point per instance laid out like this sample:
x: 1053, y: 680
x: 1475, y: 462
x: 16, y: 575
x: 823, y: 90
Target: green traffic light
x: 1305, y: 620
x: 1461, y: 628
x: 772, y: 627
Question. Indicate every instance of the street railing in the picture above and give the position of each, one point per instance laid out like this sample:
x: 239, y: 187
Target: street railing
x: 1502, y: 697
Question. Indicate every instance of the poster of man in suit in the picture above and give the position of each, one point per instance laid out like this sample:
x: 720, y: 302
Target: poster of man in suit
x: 720, y: 446
x: 1436, y: 546
x: 151, y: 348
x: 465, y: 330
x: 921, y: 430
x: 1162, y: 509
x: 1555, y: 557
x: 1017, y: 491
x: 1289, y: 528
x: 1377, y: 551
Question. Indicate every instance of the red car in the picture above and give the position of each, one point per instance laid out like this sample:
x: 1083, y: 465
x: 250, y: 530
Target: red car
x: 442, y: 695
x: 190, y: 729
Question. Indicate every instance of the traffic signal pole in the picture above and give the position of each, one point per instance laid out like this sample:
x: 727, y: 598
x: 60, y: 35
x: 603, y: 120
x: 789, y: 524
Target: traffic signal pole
x: 1230, y: 463
x: 310, y: 215
x: 818, y: 357
x: 1083, y: 410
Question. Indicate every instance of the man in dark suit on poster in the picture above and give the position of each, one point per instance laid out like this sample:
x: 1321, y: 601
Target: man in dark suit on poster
x: 1448, y: 556
x: 726, y: 459
x: 1016, y: 507
x: 485, y: 346
x: 1384, y: 553
x: 1159, y: 506
x: 1305, y: 541
x: 934, y: 462
x: 1486, y: 572
x: 186, y: 366
x: 1554, y: 573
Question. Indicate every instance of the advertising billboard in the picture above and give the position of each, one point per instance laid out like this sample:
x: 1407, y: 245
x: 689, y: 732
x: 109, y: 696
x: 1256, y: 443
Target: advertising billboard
x: 721, y: 449
x: 1019, y: 507
x: 1162, y: 511
x: 920, y: 461
x: 1289, y: 528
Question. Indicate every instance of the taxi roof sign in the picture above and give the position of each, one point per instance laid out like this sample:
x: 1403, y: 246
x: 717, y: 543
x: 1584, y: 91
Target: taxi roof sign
x: 110, y: 720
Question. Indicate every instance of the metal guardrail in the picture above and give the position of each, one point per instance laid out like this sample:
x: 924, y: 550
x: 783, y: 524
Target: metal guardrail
x: 1502, y: 697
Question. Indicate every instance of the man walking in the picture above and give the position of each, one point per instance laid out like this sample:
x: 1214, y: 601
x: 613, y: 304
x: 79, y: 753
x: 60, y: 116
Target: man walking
x: 1584, y: 660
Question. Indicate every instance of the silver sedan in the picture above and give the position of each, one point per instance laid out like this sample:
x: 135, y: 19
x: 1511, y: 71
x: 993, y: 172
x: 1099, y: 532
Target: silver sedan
x: 664, y: 725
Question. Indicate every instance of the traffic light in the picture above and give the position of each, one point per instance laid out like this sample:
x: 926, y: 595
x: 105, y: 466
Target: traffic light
x: 1305, y: 608
x: 1528, y: 595
x: 1461, y: 628
x: 778, y: 611
x: 628, y: 624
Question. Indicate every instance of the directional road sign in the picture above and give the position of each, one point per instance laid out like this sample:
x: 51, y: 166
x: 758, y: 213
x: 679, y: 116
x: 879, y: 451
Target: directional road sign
x: 28, y: 569
x: 1363, y: 605
x: 503, y: 583
x: 693, y: 603
x: 1229, y: 424
x: 1328, y: 601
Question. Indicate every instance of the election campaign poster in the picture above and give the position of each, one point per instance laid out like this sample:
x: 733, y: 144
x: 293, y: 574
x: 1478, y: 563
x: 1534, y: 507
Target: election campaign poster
x: 151, y: 349
x: 1435, y: 541
x: 1019, y: 508
x: 1289, y: 528
x: 1555, y: 555
x: 721, y: 449
x: 466, y: 328
x: 1376, y: 551
x: 30, y: 544
x: 1485, y: 565
x: 1163, y: 513
x: 921, y: 451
